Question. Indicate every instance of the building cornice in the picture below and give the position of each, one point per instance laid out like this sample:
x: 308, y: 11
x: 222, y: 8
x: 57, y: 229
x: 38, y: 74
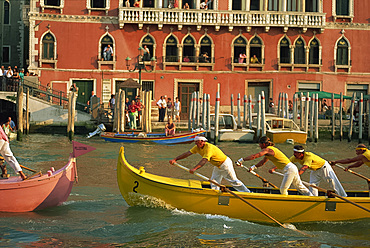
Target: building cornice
x: 73, y: 18
x: 348, y: 25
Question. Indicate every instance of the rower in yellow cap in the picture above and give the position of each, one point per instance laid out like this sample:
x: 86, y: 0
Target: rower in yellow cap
x: 363, y: 157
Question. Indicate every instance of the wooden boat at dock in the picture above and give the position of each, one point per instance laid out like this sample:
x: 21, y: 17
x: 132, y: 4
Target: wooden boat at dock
x: 229, y: 131
x: 138, y: 186
x: 39, y: 191
x: 159, y: 138
x: 281, y: 130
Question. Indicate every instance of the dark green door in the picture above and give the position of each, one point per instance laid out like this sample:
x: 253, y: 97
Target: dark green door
x: 85, y: 87
x: 185, y: 91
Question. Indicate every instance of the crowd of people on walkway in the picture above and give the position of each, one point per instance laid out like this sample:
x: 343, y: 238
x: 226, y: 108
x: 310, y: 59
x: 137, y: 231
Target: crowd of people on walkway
x: 321, y: 170
x: 11, y: 77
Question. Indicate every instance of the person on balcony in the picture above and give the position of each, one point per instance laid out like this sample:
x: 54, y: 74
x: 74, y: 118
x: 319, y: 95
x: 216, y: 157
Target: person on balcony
x: 205, y: 57
x: 146, y: 53
x: 186, y: 59
x: 254, y: 60
x: 186, y: 6
x: 127, y: 4
x: 241, y: 58
x: 137, y: 4
x: 107, y: 53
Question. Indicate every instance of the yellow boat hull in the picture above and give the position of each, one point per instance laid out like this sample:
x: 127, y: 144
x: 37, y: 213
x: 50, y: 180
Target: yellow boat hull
x: 283, y: 136
x: 141, y: 188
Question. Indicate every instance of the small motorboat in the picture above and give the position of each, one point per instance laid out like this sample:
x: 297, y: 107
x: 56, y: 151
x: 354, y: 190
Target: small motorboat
x: 281, y: 130
x: 229, y: 131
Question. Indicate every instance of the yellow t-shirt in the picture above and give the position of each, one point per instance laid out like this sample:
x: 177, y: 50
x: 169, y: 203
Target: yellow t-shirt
x: 367, y: 155
x: 212, y: 153
x: 313, y: 161
x: 279, y: 159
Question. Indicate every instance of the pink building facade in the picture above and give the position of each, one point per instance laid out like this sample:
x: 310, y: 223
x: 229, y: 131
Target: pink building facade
x: 245, y: 46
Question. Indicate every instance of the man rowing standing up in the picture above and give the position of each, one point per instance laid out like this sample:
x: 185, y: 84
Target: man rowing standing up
x: 223, y: 164
x: 363, y: 157
x: 8, y: 155
x: 320, y: 170
x: 280, y: 161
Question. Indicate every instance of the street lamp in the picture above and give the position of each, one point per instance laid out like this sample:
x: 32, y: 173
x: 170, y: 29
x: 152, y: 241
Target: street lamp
x: 140, y: 64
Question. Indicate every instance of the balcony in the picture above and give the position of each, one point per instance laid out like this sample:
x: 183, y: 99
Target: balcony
x: 217, y: 18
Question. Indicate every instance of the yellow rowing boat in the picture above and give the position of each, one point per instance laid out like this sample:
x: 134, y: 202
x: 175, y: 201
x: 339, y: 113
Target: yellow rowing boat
x: 141, y: 188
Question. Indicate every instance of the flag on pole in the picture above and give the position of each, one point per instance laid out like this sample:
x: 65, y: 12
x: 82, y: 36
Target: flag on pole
x: 80, y: 149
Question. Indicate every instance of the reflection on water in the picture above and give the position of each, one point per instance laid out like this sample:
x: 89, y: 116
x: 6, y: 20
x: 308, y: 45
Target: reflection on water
x: 96, y: 215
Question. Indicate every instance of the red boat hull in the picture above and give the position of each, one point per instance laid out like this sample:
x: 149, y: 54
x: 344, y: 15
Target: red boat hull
x: 39, y: 192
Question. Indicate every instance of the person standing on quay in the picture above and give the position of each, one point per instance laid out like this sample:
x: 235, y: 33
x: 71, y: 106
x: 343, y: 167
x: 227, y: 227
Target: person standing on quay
x: 320, y: 170
x: 280, y: 161
x: 162, y: 108
x: 177, y: 109
x: 8, y: 155
x: 223, y: 166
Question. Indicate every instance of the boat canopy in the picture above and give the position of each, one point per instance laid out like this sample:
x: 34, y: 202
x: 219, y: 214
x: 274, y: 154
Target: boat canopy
x: 327, y: 95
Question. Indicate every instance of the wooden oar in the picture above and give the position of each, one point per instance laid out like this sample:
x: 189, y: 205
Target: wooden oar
x: 326, y: 191
x: 24, y: 167
x: 33, y: 175
x: 237, y: 196
x: 263, y: 179
x: 353, y: 172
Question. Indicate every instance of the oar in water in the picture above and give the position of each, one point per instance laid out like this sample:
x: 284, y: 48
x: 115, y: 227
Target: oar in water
x: 354, y: 173
x: 244, y: 200
x: 326, y: 191
x: 263, y: 179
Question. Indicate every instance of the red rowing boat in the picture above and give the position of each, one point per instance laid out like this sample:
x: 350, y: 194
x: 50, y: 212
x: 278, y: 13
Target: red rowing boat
x: 38, y: 192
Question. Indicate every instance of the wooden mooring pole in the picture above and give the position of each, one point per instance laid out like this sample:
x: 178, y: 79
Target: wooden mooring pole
x: 19, y: 104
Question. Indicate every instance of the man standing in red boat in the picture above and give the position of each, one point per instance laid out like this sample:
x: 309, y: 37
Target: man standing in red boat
x: 280, y: 161
x: 223, y: 164
x: 8, y: 155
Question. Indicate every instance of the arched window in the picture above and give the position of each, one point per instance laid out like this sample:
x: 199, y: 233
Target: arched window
x: 342, y: 52
x: 6, y: 12
x: 299, y: 52
x: 205, y: 50
x: 148, y: 45
x: 240, y: 48
x: 255, y: 48
x: 188, y: 49
x: 171, y: 49
x: 48, y: 47
x: 285, y: 51
x: 314, y: 54
x: 107, y: 48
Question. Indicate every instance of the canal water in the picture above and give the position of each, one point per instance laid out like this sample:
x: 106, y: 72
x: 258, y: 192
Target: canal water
x: 96, y: 215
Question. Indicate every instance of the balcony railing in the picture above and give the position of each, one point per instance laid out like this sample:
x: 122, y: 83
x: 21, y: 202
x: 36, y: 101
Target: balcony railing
x: 219, y: 18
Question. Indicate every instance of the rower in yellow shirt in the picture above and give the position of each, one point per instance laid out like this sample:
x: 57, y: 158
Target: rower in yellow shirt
x: 320, y: 170
x: 363, y: 157
x: 223, y: 166
x: 281, y: 162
